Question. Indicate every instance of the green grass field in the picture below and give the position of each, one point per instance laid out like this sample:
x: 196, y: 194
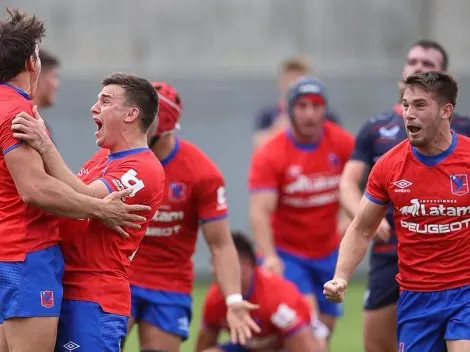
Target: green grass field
x: 347, y: 337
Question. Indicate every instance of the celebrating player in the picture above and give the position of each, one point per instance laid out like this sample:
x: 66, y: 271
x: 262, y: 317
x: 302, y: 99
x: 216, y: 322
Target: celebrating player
x: 162, y: 271
x: 376, y: 137
x: 431, y: 220
x: 284, y: 315
x: 96, y: 304
x: 31, y: 264
x: 294, y: 200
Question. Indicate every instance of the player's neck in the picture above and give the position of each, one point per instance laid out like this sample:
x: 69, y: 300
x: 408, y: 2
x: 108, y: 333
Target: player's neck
x: 21, y: 82
x: 128, y: 141
x: 164, y: 146
x: 441, y: 143
x: 303, y: 139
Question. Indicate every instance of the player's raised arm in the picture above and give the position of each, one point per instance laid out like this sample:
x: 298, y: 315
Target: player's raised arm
x: 33, y: 131
x: 37, y: 188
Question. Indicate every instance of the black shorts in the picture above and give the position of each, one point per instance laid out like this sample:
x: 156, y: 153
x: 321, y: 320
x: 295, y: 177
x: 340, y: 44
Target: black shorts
x: 382, y: 288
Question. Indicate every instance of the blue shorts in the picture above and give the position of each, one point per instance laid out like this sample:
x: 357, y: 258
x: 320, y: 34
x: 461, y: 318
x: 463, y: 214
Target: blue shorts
x: 310, y: 275
x: 231, y: 347
x: 427, y: 319
x: 382, y: 287
x: 32, y: 288
x: 168, y: 311
x: 84, y: 326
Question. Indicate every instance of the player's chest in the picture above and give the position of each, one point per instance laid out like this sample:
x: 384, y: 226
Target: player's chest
x: 310, y: 174
x: 93, y: 171
x: 427, y: 193
x: 177, y: 202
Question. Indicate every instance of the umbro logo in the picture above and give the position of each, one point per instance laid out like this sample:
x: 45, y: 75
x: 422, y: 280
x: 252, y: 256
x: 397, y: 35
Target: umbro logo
x: 402, y: 185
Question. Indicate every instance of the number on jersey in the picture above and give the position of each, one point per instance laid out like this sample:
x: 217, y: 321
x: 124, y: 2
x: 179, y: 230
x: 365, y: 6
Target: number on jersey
x: 129, y: 179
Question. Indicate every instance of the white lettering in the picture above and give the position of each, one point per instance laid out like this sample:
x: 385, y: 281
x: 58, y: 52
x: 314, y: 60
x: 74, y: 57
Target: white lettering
x: 168, y: 216
x: 436, y: 228
x: 163, y: 231
x: 304, y: 183
x: 312, y: 201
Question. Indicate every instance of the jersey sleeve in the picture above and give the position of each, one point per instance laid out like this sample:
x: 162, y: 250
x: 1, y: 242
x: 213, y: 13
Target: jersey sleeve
x: 213, y: 311
x: 363, y: 148
x: 7, y: 142
x: 210, y: 195
x: 125, y: 175
x: 290, y: 312
x: 376, y: 189
x: 263, y: 174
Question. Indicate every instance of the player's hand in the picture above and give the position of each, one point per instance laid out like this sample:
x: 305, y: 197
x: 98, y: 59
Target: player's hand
x: 335, y: 289
x: 240, y: 323
x: 273, y: 264
x: 384, y: 231
x: 31, y: 130
x: 116, y: 214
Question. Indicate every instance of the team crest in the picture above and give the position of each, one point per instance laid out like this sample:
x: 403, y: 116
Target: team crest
x: 459, y: 184
x: 177, y: 191
x: 334, y: 162
x: 47, y: 299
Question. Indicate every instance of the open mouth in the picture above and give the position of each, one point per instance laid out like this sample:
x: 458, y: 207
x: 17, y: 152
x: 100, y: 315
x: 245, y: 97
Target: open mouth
x: 99, y: 125
x: 414, y: 129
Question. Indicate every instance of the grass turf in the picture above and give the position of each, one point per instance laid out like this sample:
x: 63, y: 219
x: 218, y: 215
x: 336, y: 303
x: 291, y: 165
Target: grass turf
x: 347, y: 337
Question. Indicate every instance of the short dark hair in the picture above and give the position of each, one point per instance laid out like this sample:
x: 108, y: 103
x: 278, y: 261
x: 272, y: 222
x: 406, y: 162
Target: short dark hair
x: 441, y: 84
x: 299, y: 63
x: 19, y: 36
x: 48, y: 60
x: 244, y: 246
x: 138, y: 92
x: 431, y: 44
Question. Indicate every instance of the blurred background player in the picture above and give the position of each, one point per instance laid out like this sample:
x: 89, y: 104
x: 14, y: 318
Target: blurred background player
x: 31, y: 263
x: 284, y: 315
x: 97, y: 302
x: 274, y: 118
x: 430, y: 217
x: 376, y: 137
x: 294, y: 196
x: 162, y: 271
x: 48, y: 82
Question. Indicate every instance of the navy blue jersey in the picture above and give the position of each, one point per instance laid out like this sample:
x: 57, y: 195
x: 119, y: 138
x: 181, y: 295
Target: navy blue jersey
x: 380, y: 134
x: 268, y: 115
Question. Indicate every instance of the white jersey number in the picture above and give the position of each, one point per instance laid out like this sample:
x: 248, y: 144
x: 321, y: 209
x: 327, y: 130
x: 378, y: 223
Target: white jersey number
x: 129, y: 179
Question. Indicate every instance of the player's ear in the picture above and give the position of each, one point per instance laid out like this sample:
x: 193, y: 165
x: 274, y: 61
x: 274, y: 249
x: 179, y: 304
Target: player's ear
x: 447, y: 111
x: 132, y: 114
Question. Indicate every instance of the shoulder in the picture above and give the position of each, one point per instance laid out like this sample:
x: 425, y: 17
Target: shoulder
x: 274, y: 147
x: 335, y: 131
x: 285, y: 290
x: 200, y: 164
x: 8, y: 109
x: 214, y: 297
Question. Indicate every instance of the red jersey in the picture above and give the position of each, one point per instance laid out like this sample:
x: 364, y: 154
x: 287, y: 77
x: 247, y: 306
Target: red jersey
x: 194, y: 194
x: 431, y: 200
x: 97, y: 258
x: 306, y: 177
x: 23, y: 228
x: 282, y: 310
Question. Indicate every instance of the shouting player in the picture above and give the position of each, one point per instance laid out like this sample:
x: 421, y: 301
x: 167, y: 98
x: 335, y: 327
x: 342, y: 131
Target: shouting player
x: 431, y: 220
x: 294, y: 200
x: 97, y: 300
x: 284, y: 315
x: 162, y: 271
x: 376, y: 137
x: 31, y: 264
